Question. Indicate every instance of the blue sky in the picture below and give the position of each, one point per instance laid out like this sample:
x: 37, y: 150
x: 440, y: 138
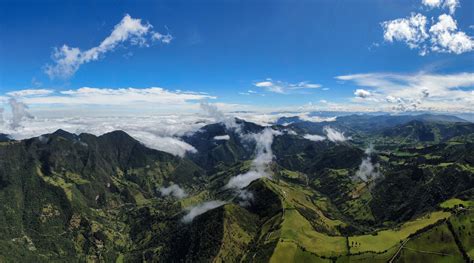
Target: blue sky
x: 226, y: 48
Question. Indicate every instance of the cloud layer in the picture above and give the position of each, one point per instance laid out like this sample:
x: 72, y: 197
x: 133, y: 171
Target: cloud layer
x: 133, y: 31
x: 159, y: 132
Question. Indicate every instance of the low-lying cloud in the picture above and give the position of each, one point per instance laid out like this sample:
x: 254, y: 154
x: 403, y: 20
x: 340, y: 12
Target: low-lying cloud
x: 201, y: 209
x: 160, y: 132
x: 314, y: 137
x: 334, y: 135
x: 213, y: 112
x: 222, y: 137
x: 263, y: 157
x: 367, y: 170
x: 173, y: 190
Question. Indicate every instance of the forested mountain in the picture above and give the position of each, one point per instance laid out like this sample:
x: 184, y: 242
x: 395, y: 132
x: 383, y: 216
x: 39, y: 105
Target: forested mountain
x: 304, y: 192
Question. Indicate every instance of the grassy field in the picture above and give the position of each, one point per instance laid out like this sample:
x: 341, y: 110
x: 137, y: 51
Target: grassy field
x: 290, y: 252
x: 436, y: 245
x: 386, y: 239
x: 294, y: 196
x: 368, y: 257
x: 296, y: 228
x: 451, y: 203
x: 464, y: 228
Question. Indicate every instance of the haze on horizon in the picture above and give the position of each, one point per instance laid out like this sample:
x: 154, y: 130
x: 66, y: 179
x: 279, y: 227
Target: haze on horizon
x: 147, y: 69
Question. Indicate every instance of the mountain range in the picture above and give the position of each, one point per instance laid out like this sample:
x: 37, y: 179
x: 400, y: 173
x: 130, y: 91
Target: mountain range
x: 371, y: 188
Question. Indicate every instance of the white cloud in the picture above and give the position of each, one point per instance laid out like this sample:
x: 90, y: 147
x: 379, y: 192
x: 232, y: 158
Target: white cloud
x: 19, y: 113
x: 422, y: 91
x: 163, y: 38
x: 313, y: 137
x: 67, y: 60
x: 432, y: 3
x: 446, y: 38
x: 411, y: 30
x: 264, y: 84
x: 160, y: 132
x: 442, y: 36
x: 1, y: 116
x: 201, y: 209
x: 334, y: 135
x: 222, y: 137
x: 173, y: 190
x: 451, y: 5
x: 284, y: 87
x: 362, y: 93
x: 167, y: 144
x: 263, y: 157
x: 212, y: 111
x: 106, y: 96
x: 30, y: 92
x: 367, y: 170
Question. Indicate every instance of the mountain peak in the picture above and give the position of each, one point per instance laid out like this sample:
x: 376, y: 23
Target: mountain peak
x: 64, y: 134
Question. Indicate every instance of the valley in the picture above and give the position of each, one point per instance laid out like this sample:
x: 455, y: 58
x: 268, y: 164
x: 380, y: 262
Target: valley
x: 401, y: 191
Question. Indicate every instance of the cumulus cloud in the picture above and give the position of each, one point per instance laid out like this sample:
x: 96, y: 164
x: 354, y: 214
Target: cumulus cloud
x: 451, y: 5
x: 334, y: 135
x: 201, y: 209
x: 133, y: 31
x: 432, y: 3
x: 362, y: 93
x: 442, y: 36
x: 446, y: 38
x: 222, y: 137
x: 411, y: 30
x: 263, y: 157
x: 284, y: 87
x: 314, y: 137
x: 173, y: 190
x: 421, y: 91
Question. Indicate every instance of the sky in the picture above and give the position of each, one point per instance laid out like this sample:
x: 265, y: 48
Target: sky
x: 82, y: 59
x: 263, y: 54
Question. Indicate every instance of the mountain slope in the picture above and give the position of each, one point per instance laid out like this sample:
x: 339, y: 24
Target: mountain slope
x: 65, y: 196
